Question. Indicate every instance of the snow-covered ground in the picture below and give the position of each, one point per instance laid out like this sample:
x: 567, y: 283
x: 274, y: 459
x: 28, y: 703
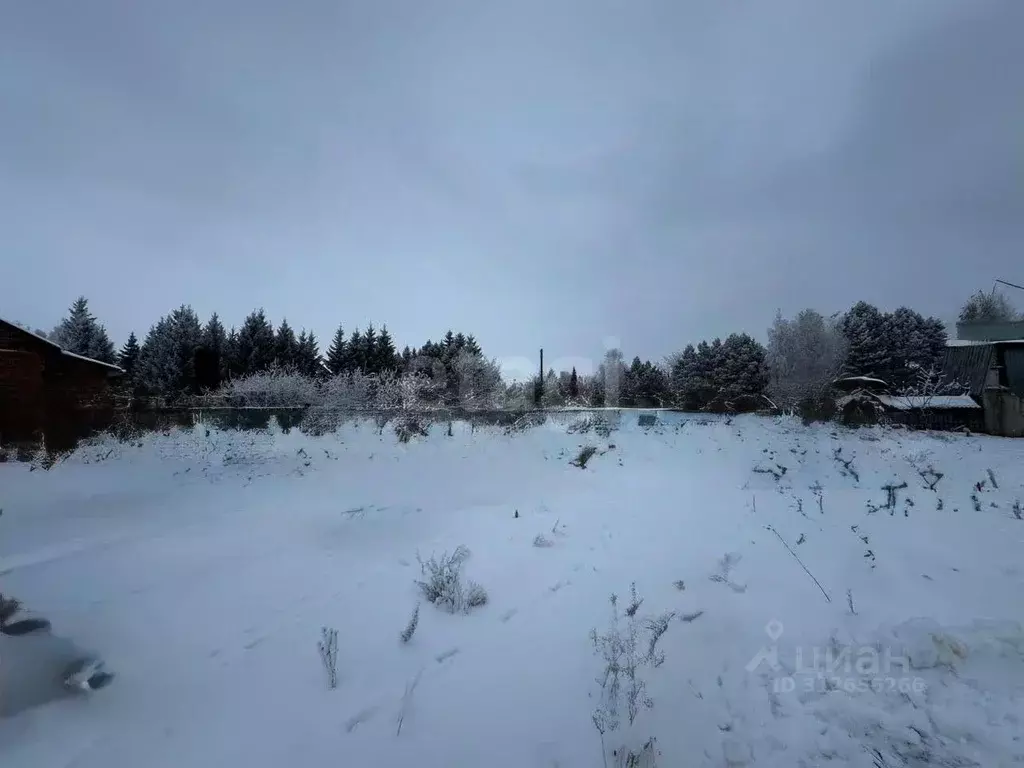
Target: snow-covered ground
x: 203, y: 565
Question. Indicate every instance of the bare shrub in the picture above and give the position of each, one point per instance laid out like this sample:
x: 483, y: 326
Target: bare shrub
x: 275, y: 388
x: 410, y: 427
x: 621, y: 681
x: 476, y: 595
x: 586, y: 454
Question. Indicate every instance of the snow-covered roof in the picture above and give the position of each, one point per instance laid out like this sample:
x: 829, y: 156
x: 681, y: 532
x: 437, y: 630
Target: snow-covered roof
x: 31, y: 333
x: 113, y: 368
x: 911, y: 402
x: 976, y: 343
x: 861, y: 379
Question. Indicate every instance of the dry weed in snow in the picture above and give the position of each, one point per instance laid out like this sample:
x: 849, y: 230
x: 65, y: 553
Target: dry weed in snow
x: 410, y: 628
x: 328, y: 647
x: 443, y: 585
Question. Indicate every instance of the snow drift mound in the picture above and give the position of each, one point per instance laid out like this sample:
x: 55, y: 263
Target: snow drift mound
x: 918, y: 694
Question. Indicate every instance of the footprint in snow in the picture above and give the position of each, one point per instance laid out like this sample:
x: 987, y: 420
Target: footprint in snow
x: 359, y: 718
x: 443, y: 657
x: 509, y: 614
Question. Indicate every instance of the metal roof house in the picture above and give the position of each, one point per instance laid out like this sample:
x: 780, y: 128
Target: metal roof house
x: 988, y: 359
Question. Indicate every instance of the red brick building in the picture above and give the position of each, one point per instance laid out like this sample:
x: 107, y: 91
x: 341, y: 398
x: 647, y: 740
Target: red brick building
x: 45, y: 389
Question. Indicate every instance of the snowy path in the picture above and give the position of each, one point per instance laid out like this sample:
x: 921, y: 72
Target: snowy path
x: 205, y: 583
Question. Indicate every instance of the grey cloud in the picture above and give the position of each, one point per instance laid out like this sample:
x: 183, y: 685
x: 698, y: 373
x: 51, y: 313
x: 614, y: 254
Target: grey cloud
x: 536, y: 173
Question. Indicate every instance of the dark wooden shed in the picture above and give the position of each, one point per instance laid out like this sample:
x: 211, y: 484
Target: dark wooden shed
x: 46, y: 390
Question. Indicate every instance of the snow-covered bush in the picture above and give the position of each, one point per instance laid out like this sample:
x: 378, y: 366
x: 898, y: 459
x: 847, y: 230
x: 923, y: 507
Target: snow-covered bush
x: 443, y: 585
x: 353, y: 391
x: 275, y: 388
x: 406, y: 392
x: 410, y: 427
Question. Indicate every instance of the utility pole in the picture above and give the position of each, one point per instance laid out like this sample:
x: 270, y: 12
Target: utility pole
x: 538, y: 389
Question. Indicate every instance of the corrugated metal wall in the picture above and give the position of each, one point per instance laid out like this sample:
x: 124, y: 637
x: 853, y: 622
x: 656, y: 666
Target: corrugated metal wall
x: 1013, y: 358
x: 968, y: 366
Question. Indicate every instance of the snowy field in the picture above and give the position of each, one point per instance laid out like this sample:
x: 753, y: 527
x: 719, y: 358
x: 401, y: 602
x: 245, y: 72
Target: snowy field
x: 204, y: 565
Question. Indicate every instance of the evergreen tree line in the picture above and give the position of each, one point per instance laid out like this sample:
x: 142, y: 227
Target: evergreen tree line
x: 803, y: 356
x: 182, y: 355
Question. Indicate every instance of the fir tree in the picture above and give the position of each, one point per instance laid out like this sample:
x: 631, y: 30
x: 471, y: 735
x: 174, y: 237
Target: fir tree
x: 935, y: 339
x: 356, y: 360
x: 369, y: 354
x: 286, y: 347
x: 741, y: 375
x: 155, y: 368
x: 256, y: 348
x: 168, y: 355
x: 187, y: 338
x: 645, y: 385
x: 82, y: 334
x: 308, y: 361
x: 868, y: 352
x: 387, y: 359
x: 128, y: 357
x: 574, y: 385
x: 229, y: 365
x: 215, y: 342
x: 337, y: 352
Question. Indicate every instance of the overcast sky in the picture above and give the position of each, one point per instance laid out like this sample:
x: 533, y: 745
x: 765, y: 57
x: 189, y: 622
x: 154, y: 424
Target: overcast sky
x: 550, y: 173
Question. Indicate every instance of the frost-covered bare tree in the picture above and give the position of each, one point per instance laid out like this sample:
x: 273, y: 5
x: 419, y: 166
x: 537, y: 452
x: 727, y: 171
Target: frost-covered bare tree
x: 991, y: 307
x: 805, y: 354
x: 479, y: 380
x: 927, y: 384
x: 404, y: 393
x: 611, y: 374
